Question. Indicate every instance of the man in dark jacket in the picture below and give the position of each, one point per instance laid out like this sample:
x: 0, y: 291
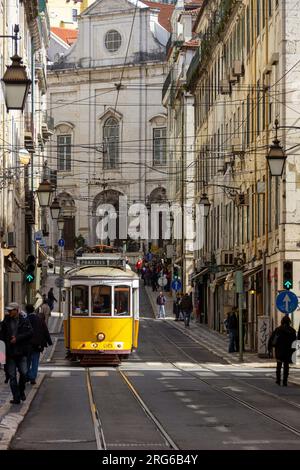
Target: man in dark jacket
x: 282, y: 339
x: 187, y: 308
x: 16, y: 332
x: 51, y: 299
x: 39, y: 340
x: 232, y: 326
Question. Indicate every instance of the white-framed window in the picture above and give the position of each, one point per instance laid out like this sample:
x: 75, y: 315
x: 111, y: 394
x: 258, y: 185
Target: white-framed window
x: 64, y: 152
x: 111, y: 143
x: 74, y: 15
x: 159, y: 146
x: 113, y: 40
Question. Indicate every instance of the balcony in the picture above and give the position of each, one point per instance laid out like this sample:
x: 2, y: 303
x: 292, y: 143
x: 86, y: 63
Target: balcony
x: 29, y: 132
x: 47, y: 126
x: 167, y: 84
x: 172, y: 43
x: 29, y: 208
x: 212, y: 36
x: 193, y: 69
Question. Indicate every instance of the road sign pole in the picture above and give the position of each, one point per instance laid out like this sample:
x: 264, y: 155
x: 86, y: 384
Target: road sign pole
x: 239, y: 288
x: 61, y: 273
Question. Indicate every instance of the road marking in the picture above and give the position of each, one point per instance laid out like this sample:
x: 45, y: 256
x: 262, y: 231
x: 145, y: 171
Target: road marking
x: 60, y: 374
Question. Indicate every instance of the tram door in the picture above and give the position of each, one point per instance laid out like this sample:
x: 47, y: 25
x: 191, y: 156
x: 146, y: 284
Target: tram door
x: 135, y: 312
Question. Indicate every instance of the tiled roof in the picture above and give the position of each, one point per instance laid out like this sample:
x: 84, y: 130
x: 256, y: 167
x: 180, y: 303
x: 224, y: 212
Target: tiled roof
x: 69, y: 36
x: 165, y: 13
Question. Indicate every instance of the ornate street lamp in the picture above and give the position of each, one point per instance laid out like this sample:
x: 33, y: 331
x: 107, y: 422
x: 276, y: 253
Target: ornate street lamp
x: 276, y: 157
x: 15, y: 82
x: 44, y: 193
x: 55, y: 209
x: 60, y: 223
x: 24, y: 157
x: 204, y: 202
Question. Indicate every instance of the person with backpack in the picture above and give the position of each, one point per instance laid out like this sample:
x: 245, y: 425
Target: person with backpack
x: 161, y: 302
x: 40, y: 339
x: 282, y: 340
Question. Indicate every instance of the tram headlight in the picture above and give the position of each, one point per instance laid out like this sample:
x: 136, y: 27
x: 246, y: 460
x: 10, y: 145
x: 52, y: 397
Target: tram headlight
x: 100, y: 336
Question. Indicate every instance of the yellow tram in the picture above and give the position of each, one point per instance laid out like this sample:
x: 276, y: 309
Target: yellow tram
x: 101, y: 317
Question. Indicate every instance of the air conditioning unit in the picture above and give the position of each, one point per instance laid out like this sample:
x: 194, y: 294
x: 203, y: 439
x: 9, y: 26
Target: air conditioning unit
x: 11, y: 239
x: 238, y: 68
x: 227, y: 258
x: 225, y: 87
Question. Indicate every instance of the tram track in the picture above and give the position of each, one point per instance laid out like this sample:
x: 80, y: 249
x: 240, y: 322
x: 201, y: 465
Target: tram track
x: 242, y: 402
x: 96, y: 414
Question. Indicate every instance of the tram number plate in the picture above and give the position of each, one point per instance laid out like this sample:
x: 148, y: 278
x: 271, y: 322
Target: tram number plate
x: 105, y: 346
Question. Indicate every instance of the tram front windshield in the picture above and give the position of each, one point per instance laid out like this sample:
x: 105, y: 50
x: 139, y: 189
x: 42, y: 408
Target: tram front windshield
x: 101, y: 300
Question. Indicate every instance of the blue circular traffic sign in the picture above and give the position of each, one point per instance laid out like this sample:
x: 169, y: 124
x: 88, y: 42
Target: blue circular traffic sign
x: 176, y: 285
x: 287, y: 301
x: 61, y: 242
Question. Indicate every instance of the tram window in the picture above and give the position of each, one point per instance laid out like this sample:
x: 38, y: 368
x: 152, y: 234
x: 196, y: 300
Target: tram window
x: 80, y: 300
x: 122, y: 303
x: 101, y: 300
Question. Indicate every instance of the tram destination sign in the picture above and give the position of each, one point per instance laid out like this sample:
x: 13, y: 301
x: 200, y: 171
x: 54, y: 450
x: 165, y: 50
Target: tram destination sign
x: 101, y: 262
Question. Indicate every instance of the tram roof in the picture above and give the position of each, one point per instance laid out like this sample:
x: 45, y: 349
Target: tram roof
x: 102, y: 271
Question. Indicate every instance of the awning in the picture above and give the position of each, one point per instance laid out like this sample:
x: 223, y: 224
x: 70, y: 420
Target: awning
x: 6, y: 252
x: 224, y: 277
x: 202, y: 272
x: 252, y: 271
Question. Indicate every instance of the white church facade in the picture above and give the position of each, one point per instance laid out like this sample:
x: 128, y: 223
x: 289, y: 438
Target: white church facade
x: 110, y: 125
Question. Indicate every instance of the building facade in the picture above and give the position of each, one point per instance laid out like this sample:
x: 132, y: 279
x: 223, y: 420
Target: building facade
x: 179, y: 103
x: 20, y: 217
x: 65, y: 13
x: 110, y: 125
x: 244, y: 76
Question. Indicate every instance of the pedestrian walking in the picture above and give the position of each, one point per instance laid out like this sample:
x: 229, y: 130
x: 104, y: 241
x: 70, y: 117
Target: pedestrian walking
x: 40, y: 339
x: 44, y: 312
x: 282, y: 340
x: 177, y: 306
x: 187, y: 308
x: 154, y: 283
x: 5, y: 365
x: 232, y: 326
x: 161, y: 302
x: 16, y: 332
x: 51, y: 299
x: 38, y: 300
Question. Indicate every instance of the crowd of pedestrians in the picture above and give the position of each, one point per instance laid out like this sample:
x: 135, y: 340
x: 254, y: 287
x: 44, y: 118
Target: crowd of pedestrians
x: 153, y: 268
x: 25, y: 335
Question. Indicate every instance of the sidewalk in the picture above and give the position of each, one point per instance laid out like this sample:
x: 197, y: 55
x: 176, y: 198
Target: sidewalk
x: 214, y: 341
x: 12, y: 415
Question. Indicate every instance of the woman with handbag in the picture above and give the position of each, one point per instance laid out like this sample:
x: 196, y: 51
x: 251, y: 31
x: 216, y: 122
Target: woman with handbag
x: 282, y: 339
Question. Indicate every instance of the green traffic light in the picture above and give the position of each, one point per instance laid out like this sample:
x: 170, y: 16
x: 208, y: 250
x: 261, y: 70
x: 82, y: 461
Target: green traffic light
x: 288, y: 284
x: 29, y: 278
